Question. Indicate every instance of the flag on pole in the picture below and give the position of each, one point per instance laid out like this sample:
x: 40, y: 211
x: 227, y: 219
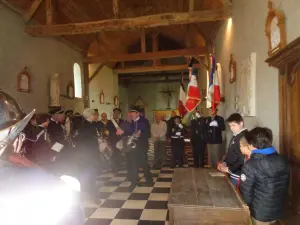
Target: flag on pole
x: 214, y: 95
x: 182, y: 99
x: 193, y: 93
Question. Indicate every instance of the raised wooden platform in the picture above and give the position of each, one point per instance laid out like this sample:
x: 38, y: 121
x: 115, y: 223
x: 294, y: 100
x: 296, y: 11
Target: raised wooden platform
x: 198, y: 198
x: 188, y: 155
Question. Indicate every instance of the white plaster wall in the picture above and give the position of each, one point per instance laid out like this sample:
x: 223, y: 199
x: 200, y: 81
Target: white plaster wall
x: 246, y: 35
x: 42, y: 56
x: 106, y: 80
x: 124, y: 104
x: 151, y: 94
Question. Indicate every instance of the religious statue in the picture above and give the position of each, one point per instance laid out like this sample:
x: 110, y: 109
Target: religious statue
x: 54, y: 90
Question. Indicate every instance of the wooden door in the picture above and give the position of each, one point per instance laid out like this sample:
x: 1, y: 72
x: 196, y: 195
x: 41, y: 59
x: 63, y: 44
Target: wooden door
x: 287, y: 61
x: 295, y: 138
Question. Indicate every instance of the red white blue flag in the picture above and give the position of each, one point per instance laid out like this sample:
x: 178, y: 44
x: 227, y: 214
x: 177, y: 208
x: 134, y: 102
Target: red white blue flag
x: 193, y: 94
x: 182, y: 99
x: 214, y: 95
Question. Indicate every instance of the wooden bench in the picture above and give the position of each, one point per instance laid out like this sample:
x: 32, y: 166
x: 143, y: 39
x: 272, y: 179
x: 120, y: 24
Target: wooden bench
x: 198, y: 198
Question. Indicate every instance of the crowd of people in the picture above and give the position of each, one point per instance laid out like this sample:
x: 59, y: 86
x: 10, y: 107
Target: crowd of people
x: 251, y: 162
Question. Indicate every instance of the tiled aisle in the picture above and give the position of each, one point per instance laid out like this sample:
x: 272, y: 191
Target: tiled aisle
x: 142, y: 206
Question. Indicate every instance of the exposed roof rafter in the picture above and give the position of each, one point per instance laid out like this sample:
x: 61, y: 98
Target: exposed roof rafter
x: 33, y: 8
x: 158, y: 20
x: 148, y: 55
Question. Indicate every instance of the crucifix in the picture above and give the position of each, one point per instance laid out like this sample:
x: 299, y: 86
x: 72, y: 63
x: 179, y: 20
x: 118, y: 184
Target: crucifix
x: 169, y: 95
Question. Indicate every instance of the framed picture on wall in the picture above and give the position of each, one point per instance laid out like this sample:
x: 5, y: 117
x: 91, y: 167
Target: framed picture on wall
x: 24, y: 81
x: 70, y: 91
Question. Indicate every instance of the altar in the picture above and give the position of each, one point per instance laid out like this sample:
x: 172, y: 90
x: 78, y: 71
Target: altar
x: 202, y: 196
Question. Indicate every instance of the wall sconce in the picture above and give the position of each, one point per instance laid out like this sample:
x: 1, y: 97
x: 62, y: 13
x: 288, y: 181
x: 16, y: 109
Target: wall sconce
x: 232, y: 70
x: 102, y: 97
x: 116, y: 101
x: 24, y: 81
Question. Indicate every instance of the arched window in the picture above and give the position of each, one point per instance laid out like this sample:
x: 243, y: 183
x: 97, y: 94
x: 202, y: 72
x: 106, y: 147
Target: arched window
x: 77, y: 80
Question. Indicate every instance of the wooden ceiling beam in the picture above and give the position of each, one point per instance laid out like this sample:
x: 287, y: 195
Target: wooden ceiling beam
x: 116, y: 9
x: 158, y: 20
x: 141, y: 69
x: 155, y: 48
x: 143, y: 41
x: 148, y: 55
x: 180, y: 5
x: 151, y: 75
x: 159, y: 81
x: 49, y: 12
x: 8, y: 4
x: 32, y: 9
x: 191, y: 5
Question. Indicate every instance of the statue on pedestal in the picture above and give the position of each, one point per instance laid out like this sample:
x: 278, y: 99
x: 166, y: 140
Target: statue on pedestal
x: 54, y: 90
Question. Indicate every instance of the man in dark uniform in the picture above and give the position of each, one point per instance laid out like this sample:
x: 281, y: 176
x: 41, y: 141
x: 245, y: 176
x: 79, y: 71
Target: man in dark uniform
x: 177, y: 142
x: 39, y: 143
x: 170, y: 124
x: 198, y: 139
x: 137, y: 157
x: 55, y: 127
x: 215, y: 125
x: 113, y: 138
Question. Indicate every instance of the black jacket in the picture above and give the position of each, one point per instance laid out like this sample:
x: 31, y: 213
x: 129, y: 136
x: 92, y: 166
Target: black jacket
x: 56, y: 133
x: 87, y: 140
x: 198, y: 129
x: 170, y: 124
x: 143, y: 125
x: 177, y: 131
x: 234, y: 158
x: 37, y: 145
x: 214, y: 134
x: 264, y: 184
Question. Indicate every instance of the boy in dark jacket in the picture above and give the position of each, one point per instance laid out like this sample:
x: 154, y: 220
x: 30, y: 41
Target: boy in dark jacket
x: 264, y: 178
x: 234, y: 159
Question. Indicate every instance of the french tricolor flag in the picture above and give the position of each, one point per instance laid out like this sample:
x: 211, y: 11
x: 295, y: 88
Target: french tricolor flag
x: 193, y: 93
x: 182, y: 99
x: 214, y: 95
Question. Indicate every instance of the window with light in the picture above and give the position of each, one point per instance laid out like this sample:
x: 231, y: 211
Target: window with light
x: 77, y: 80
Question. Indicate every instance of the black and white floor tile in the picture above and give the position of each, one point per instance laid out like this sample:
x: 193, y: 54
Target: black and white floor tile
x: 144, y: 205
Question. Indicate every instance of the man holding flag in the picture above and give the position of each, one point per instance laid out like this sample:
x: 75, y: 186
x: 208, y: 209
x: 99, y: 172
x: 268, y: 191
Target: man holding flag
x: 214, y: 123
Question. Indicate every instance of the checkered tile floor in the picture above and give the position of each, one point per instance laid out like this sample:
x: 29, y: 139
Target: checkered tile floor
x: 144, y: 205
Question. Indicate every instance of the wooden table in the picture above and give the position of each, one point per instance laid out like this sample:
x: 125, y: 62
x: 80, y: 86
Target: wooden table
x: 197, y: 197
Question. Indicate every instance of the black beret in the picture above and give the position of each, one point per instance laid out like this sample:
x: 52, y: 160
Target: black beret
x: 56, y: 110
x: 69, y: 112
x: 135, y: 109
x: 117, y: 109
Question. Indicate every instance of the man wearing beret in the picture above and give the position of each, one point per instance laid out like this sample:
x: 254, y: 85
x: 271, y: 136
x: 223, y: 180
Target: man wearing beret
x: 137, y: 157
x: 55, y: 127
